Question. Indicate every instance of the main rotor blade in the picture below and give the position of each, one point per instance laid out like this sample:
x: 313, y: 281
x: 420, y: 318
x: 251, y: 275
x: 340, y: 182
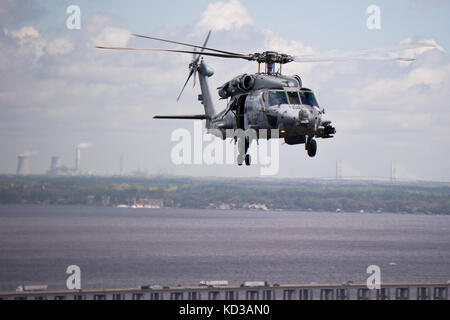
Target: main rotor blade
x: 189, y: 77
x: 233, y: 56
x: 366, y: 54
x: 348, y: 58
x: 392, y: 49
x: 188, y: 44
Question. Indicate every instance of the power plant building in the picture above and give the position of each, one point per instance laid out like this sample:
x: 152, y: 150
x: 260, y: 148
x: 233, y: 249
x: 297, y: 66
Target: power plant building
x: 77, y: 160
x: 55, y: 165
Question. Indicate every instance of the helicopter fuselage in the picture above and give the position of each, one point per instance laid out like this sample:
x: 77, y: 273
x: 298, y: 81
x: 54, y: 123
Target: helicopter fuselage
x: 266, y: 102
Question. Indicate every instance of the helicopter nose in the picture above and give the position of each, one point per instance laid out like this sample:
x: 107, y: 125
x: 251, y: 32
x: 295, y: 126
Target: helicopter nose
x: 309, y: 118
x: 304, y: 115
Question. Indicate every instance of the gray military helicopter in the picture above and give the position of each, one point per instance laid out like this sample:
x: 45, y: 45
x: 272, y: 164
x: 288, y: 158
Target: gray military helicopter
x: 267, y: 99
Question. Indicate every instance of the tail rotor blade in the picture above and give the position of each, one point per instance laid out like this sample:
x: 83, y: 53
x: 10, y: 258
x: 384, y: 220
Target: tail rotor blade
x: 206, y: 41
x: 189, y: 77
x: 194, y: 55
x: 197, y: 57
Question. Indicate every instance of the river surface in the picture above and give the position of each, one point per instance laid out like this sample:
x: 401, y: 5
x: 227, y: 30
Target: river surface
x: 132, y: 247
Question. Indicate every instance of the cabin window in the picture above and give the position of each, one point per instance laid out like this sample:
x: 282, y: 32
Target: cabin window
x: 251, y: 102
x: 293, y: 98
x: 308, y: 98
x: 277, y: 97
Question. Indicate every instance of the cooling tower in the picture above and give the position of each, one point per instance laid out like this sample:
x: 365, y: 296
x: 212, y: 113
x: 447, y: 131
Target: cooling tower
x: 23, y: 165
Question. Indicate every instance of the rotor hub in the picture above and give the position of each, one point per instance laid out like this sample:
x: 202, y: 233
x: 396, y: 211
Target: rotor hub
x: 271, y: 57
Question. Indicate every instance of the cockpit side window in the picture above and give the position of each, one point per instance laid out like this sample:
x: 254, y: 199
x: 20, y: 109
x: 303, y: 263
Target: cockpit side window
x: 277, y: 98
x: 293, y: 98
x: 308, y: 98
x: 261, y: 101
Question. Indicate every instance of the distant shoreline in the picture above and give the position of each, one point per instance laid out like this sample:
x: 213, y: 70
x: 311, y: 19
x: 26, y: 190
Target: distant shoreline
x: 144, y: 210
x: 223, y: 194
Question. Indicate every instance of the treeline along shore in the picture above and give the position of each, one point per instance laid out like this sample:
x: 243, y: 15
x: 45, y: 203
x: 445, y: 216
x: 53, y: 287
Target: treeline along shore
x: 229, y: 194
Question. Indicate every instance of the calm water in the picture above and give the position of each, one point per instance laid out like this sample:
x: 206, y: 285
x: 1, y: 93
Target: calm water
x: 128, y: 248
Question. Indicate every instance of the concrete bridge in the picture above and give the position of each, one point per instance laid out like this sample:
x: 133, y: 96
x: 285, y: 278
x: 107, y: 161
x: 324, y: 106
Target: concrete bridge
x: 263, y: 291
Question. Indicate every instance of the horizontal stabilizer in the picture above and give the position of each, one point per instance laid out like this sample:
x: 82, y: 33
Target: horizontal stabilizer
x: 191, y: 117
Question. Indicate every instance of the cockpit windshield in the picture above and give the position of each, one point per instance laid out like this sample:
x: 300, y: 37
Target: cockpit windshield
x: 308, y: 98
x: 277, y: 97
x: 293, y: 97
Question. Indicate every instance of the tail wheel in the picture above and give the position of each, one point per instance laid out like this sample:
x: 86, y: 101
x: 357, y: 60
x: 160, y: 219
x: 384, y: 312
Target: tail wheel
x: 312, y: 148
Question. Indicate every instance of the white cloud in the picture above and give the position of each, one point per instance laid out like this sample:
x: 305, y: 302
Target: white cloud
x: 225, y: 16
x: 25, y: 35
x: 416, y: 51
x: 30, y: 42
x: 59, y: 46
x: 84, y: 145
x: 416, y: 120
x: 274, y: 41
x: 28, y: 153
x: 428, y: 76
x: 112, y: 36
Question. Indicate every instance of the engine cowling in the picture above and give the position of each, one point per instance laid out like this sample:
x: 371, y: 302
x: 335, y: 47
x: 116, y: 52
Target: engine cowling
x: 299, y: 80
x: 247, y: 82
x: 240, y: 84
x: 223, y: 91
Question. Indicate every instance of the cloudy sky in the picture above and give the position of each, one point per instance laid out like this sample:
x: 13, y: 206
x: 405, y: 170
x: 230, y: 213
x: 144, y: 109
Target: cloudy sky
x: 57, y: 90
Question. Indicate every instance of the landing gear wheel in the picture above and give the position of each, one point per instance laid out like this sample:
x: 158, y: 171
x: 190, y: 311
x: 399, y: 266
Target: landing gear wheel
x: 240, y: 159
x: 312, y: 148
x: 248, y: 160
x: 243, y: 145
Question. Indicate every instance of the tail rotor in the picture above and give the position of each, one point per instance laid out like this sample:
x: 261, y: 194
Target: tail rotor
x: 193, y: 66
